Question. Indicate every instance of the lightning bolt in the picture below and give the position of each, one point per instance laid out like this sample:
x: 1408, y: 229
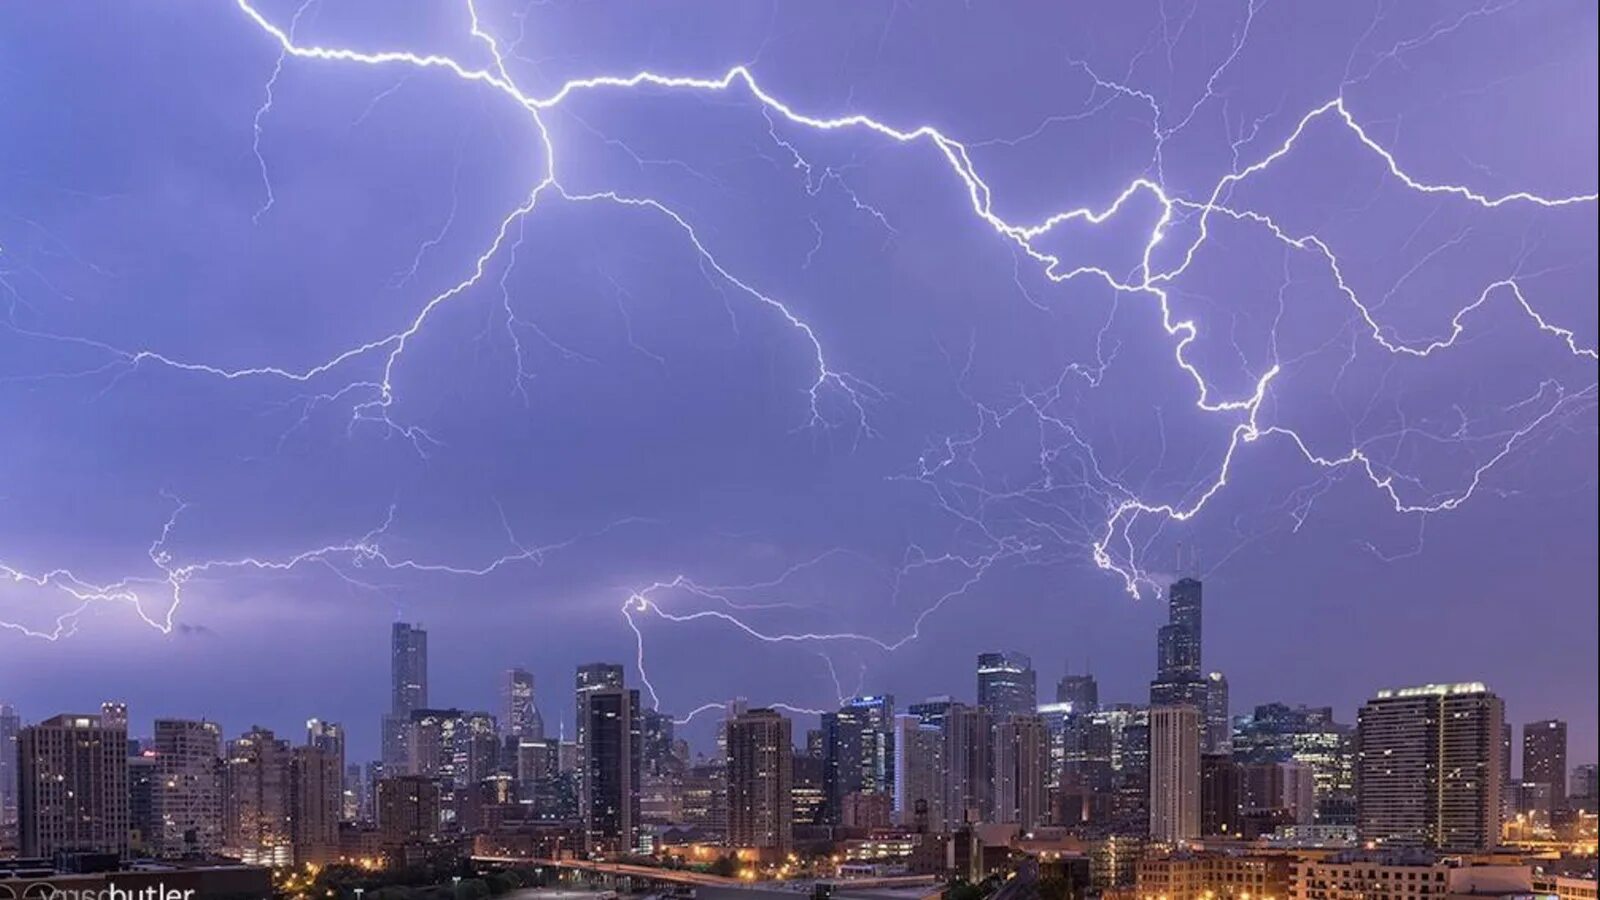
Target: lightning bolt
x: 1106, y: 534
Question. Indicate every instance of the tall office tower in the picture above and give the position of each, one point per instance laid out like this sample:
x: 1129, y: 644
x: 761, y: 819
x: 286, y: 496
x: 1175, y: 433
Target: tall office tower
x: 1174, y: 774
x: 1278, y: 733
x: 1179, y: 680
x: 143, y: 829
x: 1061, y: 727
x: 919, y: 788
x: 931, y: 711
x: 255, y: 799
x: 612, y: 747
x: 187, y: 803
x: 967, y: 751
x: 315, y: 801
x: 1082, y: 691
x: 1544, y: 757
x: 408, y: 809
x: 760, y: 781
x: 10, y: 724
x: 114, y: 714
x: 521, y: 718
x: 1428, y: 767
x: 859, y: 751
x: 1007, y: 684
x: 408, y: 683
x: 536, y: 771
x: 816, y: 743
x: 659, y: 755
x: 586, y: 679
x: 1218, y: 725
x: 72, y: 786
x: 1019, y: 762
x: 1219, y: 795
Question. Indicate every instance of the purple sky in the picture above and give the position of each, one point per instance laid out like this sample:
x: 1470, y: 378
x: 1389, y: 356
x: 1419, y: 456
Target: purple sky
x: 275, y: 335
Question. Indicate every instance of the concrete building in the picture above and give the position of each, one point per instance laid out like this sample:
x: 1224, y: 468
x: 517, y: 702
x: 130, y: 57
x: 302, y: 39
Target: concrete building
x: 1174, y: 774
x: 1428, y: 767
x: 1395, y: 876
x: 188, y: 799
x: 919, y: 789
x: 1544, y: 756
x: 760, y: 782
x: 408, y: 809
x: 10, y: 725
x: 315, y: 802
x: 1021, y: 759
x: 255, y: 799
x: 72, y: 786
x: 1212, y: 876
x: 967, y: 752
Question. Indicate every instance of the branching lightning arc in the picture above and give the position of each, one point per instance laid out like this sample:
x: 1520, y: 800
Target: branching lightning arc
x: 1111, y: 542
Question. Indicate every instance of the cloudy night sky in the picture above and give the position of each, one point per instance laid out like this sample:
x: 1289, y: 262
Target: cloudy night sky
x: 853, y: 339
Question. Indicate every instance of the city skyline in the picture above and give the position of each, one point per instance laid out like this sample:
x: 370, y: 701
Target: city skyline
x: 822, y: 356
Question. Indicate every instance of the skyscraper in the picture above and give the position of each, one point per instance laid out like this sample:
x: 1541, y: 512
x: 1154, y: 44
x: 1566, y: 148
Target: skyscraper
x: 1174, y: 774
x: 10, y: 724
x: 920, y: 784
x: 587, y: 679
x: 1007, y: 684
x: 1544, y: 757
x: 72, y: 786
x: 521, y: 717
x: 859, y: 750
x: 1218, y: 725
x: 1020, y: 758
x: 1275, y: 732
x: 187, y: 800
x: 1428, y: 767
x: 1178, y: 680
x: 408, y: 683
x: 611, y: 779
x: 967, y: 752
x: 459, y: 748
x: 256, y: 804
x: 315, y: 801
x: 1082, y: 691
x: 760, y: 781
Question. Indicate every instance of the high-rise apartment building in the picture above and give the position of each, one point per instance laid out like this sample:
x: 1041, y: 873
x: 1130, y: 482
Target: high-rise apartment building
x: 315, y: 802
x: 1428, y: 767
x: 1544, y: 756
x: 1007, y: 684
x: 612, y: 750
x: 408, y: 809
x: 1174, y: 774
x: 859, y: 750
x: 760, y: 781
x: 1018, y: 779
x: 968, y: 749
x: 256, y: 799
x: 187, y: 801
x: 72, y: 786
x: 920, y: 784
